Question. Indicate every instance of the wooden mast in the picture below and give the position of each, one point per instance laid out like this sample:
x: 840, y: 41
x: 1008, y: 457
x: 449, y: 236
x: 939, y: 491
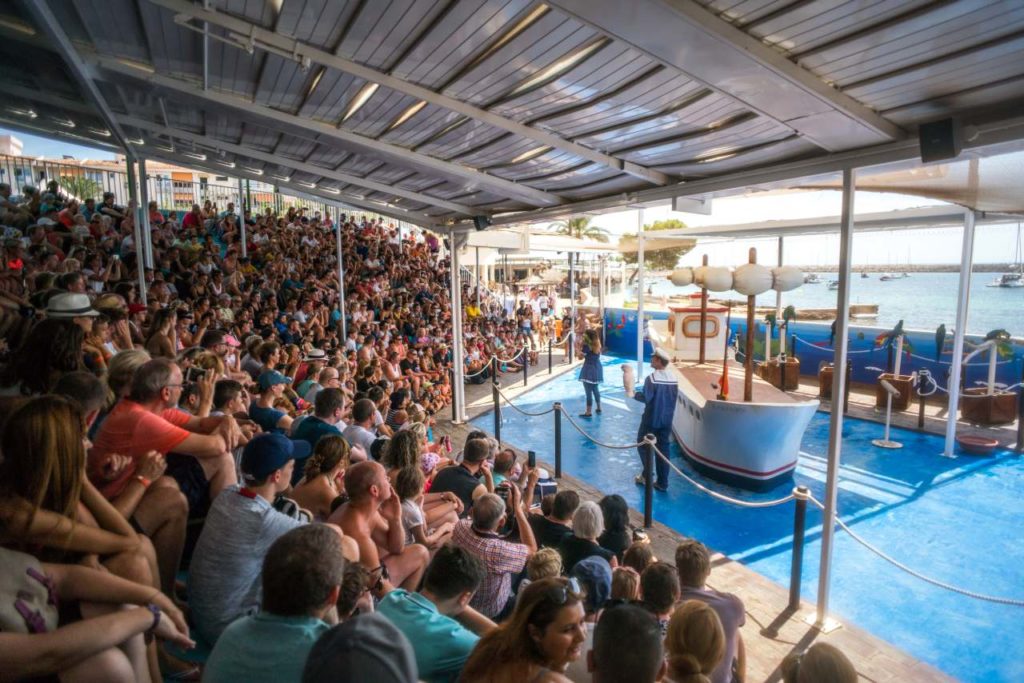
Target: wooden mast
x: 704, y: 314
x: 748, y: 354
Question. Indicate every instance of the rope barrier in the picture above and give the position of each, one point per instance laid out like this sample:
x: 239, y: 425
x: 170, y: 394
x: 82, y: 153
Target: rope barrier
x: 722, y: 496
x: 965, y: 365
x: 829, y: 348
x: 916, y: 574
x: 520, y: 410
x: 478, y: 372
x: 509, y: 360
x: 613, y: 446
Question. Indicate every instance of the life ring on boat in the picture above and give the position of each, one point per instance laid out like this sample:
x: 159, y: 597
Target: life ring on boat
x: 977, y: 445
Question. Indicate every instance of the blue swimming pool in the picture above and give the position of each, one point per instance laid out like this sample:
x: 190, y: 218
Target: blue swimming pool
x: 956, y: 520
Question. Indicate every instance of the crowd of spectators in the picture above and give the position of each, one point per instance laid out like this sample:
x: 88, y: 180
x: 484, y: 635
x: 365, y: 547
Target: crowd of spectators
x: 244, y: 477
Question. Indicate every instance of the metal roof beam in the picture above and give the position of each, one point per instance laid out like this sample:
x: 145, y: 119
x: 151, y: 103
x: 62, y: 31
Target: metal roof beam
x: 395, y: 153
x: 298, y: 165
x: 685, y: 36
x: 777, y: 175
x: 44, y: 18
x: 261, y: 38
x: 365, y: 205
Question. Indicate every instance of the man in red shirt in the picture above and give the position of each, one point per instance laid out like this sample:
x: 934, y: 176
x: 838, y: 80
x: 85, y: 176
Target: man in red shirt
x: 147, y: 421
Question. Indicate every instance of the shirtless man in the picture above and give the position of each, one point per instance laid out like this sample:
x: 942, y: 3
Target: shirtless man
x: 373, y: 517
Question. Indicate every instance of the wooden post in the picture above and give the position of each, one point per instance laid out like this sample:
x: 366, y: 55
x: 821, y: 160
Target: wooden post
x: 704, y: 314
x: 748, y: 354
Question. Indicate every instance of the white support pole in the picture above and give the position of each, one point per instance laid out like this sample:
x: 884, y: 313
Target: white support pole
x: 639, y: 297
x: 963, y: 293
x: 477, y: 269
x: 240, y: 212
x: 572, y: 305
x: 133, y: 196
x: 147, y: 234
x: 600, y: 292
x: 778, y: 310
x: 341, y: 279
x: 835, y: 431
x: 459, y: 381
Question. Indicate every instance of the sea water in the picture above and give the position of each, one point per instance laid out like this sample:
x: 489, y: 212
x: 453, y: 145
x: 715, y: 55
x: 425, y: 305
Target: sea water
x: 922, y: 300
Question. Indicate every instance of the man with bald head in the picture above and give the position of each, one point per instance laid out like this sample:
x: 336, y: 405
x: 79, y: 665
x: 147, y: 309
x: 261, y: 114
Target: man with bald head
x: 373, y: 517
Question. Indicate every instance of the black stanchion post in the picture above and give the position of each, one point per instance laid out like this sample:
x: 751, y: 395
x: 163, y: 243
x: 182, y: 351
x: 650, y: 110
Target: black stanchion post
x: 494, y: 369
x: 558, y: 440
x: 497, y: 411
x: 549, y: 355
x: 792, y: 346
x: 797, y: 568
x: 649, y: 481
x: 922, y: 399
x: 526, y: 363
x: 846, y: 388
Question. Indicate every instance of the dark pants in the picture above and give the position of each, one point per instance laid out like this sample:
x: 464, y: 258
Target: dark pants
x: 593, y: 392
x: 663, y: 438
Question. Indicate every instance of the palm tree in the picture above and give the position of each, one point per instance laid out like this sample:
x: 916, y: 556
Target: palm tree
x: 80, y: 187
x: 580, y: 228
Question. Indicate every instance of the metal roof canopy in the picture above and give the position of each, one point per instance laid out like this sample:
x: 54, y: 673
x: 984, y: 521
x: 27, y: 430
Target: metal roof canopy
x: 440, y: 110
x: 902, y: 219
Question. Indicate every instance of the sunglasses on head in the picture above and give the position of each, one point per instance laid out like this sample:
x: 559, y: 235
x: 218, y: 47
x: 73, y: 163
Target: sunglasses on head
x: 560, y: 594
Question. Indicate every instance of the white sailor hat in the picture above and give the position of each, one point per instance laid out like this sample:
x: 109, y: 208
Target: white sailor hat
x: 663, y: 354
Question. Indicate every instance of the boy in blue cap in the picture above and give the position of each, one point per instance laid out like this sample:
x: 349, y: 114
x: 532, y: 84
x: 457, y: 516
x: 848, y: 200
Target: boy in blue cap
x: 224, y: 579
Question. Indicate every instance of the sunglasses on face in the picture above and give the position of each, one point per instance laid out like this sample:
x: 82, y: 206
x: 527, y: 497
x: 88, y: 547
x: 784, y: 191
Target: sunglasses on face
x: 560, y: 594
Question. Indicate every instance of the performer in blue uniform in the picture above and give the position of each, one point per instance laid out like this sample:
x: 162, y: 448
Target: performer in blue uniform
x: 659, y: 399
x: 592, y: 373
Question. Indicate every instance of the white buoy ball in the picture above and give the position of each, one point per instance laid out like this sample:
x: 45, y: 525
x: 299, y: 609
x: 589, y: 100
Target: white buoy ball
x: 698, y: 275
x: 752, y: 279
x: 718, y: 279
x: 681, y: 277
x: 786, y: 278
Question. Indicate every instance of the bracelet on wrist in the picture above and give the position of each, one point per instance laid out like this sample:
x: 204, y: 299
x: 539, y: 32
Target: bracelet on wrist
x: 151, y: 631
x: 143, y: 480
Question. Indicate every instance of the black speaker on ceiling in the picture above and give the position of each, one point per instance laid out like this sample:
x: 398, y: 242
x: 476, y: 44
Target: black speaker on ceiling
x: 481, y: 222
x: 940, y: 140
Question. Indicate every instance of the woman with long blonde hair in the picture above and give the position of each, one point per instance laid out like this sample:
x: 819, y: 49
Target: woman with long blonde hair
x: 592, y: 373
x: 694, y: 644
x: 544, y: 633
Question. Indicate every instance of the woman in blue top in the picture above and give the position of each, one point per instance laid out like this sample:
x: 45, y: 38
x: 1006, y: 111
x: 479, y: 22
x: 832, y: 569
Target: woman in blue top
x: 591, y: 374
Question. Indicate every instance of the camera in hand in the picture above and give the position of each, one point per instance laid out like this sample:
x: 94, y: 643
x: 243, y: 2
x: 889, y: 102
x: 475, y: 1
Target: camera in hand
x: 504, y: 491
x: 531, y: 459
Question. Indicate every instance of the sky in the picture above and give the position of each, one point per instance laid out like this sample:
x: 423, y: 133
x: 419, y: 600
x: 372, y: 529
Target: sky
x: 993, y: 243
x: 38, y: 146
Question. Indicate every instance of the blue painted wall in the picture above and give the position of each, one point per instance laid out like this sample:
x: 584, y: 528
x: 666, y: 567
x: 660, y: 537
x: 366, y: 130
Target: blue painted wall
x: 813, y: 348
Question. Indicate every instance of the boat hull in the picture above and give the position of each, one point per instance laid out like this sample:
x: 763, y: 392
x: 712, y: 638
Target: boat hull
x: 753, y: 446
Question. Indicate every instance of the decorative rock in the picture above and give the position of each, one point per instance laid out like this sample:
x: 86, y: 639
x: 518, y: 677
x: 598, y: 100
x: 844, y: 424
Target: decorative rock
x: 681, y: 277
x: 752, y: 279
x: 717, y: 279
x: 786, y: 278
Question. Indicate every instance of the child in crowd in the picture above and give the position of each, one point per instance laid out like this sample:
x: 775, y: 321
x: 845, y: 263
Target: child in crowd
x: 409, y: 488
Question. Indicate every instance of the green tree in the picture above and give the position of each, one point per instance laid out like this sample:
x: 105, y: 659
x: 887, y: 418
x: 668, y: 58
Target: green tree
x: 657, y: 259
x: 80, y: 186
x: 580, y: 228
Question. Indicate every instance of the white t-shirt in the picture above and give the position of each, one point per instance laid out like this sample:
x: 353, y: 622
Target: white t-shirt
x: 412, y: 517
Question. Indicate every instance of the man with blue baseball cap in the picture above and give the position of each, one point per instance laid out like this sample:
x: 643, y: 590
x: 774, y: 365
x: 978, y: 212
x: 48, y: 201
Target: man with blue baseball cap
x: 262, y: 411
x: 224, y: 578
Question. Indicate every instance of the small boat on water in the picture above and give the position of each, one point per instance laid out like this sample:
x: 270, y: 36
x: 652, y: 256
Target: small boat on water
x: 833, y: 284
x: 889, y: 276
x: 864, y: 275
x: 1008, y: 281
x: 812, y: 279
x: 751, y: 444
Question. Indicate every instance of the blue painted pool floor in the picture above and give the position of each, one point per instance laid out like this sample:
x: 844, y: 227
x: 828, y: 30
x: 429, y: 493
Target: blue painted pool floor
x: 956, y: 520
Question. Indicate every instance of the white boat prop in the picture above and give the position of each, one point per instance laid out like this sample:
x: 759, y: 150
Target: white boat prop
x: 752, y: 440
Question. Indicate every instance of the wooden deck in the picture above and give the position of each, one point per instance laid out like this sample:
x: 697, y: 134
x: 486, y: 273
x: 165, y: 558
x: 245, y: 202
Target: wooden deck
x: 771, y: 631
x: 706, y: 378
